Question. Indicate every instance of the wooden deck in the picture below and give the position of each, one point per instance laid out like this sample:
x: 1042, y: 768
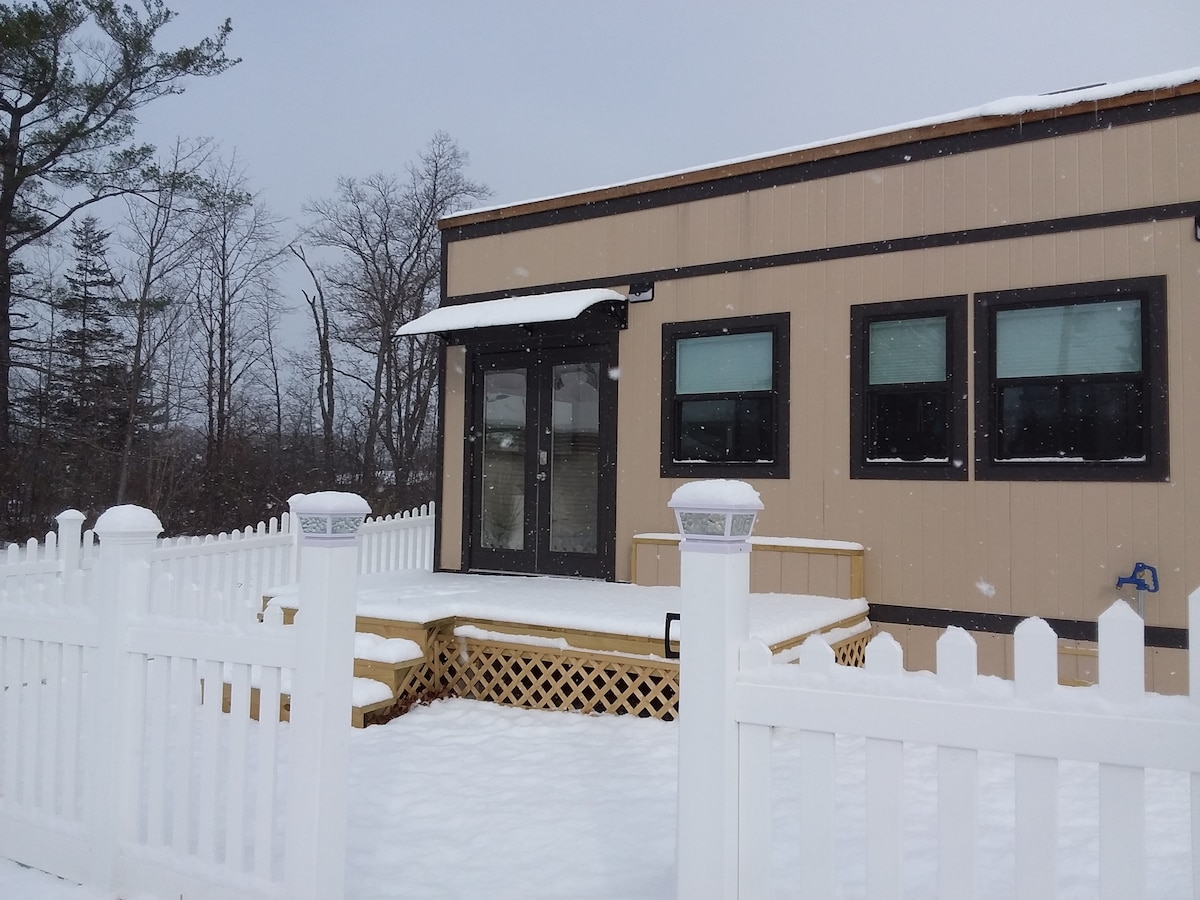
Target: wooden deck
x: 481, y: 655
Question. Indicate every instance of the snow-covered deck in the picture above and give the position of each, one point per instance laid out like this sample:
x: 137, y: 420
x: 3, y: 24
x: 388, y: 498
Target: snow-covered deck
x: 566, y: 604
x: 549, y: 643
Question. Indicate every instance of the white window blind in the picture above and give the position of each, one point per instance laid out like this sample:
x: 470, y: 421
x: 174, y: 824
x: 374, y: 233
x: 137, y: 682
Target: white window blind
x: 1074, y: 339
x: 908, y: 351
x: 724, y: 363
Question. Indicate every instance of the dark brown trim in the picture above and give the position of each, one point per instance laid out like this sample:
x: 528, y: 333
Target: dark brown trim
x: 1152, y: 291
x: 777, y: 323
x: 1113, y: 219
x: 1003, y: 623
x: 537, y: 351
x: 954, y: 308
x: 441, y: 454
x: 874, y: 152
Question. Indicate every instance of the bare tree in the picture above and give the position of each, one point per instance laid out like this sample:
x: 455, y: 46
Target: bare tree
x: 384, y: 230
x: 162, y: 234
x: 73, y: 73
x: 233, y: 297
x: 318, y: 309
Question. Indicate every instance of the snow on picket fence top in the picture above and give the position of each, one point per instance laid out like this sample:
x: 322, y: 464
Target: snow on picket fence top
x: 1009, y: 106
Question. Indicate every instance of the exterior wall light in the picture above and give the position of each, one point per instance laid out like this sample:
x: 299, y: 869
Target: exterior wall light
x: 716, y: 515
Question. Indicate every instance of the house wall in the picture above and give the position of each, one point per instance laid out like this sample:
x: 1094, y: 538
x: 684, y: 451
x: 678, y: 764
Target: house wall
x: 1024, y: 548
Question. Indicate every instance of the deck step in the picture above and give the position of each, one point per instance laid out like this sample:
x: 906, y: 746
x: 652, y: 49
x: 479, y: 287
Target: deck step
x: 369, y: 696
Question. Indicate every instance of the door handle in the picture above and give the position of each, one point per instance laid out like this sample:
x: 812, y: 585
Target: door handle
x: 540, y: 476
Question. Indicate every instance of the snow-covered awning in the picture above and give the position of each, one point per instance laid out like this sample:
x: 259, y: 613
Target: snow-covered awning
x: 557, y: 307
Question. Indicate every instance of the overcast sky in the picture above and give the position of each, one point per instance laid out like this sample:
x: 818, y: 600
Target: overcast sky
x: 556, y: 96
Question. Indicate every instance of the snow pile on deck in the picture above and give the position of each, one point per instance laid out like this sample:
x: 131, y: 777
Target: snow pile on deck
x: 418, y: 596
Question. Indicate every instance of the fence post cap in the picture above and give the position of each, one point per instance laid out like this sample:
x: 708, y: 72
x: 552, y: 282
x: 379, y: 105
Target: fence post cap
x: 135, y: 521
x: 69, y: 515
x: 329, y: 517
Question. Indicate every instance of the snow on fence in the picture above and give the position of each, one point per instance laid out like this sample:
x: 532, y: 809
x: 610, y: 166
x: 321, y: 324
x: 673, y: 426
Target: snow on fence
x: 725, y: 803
x: 240, y: 566
x: 118, y: 768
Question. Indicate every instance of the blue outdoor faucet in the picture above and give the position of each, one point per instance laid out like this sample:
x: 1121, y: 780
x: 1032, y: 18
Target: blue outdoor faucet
x: 1135, y: 579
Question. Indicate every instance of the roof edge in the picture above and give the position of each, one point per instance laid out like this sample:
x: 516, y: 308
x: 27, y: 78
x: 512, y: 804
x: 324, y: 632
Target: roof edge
x: 887, y: 138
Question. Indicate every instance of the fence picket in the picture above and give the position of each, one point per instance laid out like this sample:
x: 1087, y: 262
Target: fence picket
x: 1122, y: 833
x: 1035, y: 659
x: 885, y: 849
x: 184, y: 678
x: 235, y: 779
x: 817, y: 812
x: 210, y: 712
x: 1036, y: 827
x: 1122, y: 654
x: 754, y: 832
x: 266, y: 782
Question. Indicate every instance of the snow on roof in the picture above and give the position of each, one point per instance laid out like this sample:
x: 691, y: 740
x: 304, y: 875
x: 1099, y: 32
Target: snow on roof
x: 1006, y: 107
x: 555, y: 307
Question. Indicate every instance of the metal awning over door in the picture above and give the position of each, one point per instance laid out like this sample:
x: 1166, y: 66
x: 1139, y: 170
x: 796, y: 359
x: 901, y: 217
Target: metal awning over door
x: 560, y: 306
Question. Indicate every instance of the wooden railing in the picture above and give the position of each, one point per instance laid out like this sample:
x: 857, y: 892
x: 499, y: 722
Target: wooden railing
x: 849, y: 549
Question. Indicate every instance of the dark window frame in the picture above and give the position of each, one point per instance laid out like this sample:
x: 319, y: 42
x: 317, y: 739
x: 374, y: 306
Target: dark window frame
x: 862, y: 316
x: 1152, y: 292
x: 779, y: 325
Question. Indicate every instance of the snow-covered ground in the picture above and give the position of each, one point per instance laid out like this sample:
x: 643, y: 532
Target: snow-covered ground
x: 464, y: 799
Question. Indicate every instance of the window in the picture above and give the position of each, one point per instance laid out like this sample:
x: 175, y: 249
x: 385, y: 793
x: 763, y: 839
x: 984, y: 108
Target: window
x: 1071, y: 382
x: 725, y: 408
x: 908, y: 389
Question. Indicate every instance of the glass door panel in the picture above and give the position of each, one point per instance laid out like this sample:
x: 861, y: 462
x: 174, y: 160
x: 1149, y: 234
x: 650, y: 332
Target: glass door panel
x: 503, y: 469
x: 574, y: 457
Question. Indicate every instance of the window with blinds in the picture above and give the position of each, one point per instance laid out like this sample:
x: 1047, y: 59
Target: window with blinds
x: 1072, y: 382
x: 907, y: 379
x: 724, y: 397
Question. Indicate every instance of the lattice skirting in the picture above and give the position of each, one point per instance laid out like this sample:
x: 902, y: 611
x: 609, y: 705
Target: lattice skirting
x: 549, y: 678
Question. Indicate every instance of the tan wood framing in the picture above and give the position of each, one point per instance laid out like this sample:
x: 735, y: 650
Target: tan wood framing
x: 1097, y: 188
x: 595, y: 672
x: 849, y: 550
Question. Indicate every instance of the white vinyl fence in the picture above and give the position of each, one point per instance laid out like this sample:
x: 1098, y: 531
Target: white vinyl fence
x: 733, y: 696
x: 238, y: 566
x: 118, y: 767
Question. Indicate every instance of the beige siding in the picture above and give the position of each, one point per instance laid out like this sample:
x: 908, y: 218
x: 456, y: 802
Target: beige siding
x: 1024, y: 548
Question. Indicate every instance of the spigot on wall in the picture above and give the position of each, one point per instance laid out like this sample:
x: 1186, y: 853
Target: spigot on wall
x: 1136, y: 580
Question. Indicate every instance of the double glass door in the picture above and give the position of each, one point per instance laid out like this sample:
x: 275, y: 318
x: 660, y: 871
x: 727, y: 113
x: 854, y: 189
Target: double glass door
x: 542, y: 460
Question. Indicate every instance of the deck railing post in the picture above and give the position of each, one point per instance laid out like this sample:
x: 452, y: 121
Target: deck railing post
x: 715, y: 520
x: 70, y: 531
x: 327, y: 526
x: 127, y: 535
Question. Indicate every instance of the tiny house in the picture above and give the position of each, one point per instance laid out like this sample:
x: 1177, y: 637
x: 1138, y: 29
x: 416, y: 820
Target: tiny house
x: 969, y: 344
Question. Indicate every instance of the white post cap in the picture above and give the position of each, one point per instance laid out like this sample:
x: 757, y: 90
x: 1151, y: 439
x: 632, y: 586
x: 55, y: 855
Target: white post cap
x: 329, y: 517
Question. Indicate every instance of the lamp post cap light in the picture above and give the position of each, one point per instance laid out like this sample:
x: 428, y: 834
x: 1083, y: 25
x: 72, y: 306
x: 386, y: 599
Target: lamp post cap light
x: 717, y: 511
x: 329, y: 516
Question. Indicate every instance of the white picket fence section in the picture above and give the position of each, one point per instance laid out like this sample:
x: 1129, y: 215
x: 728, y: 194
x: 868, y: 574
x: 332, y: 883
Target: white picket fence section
x: 118, y: 767
x: 1116, y: 725
x: 397, y: 542
x: 240, y: 565
x: 733, y: 696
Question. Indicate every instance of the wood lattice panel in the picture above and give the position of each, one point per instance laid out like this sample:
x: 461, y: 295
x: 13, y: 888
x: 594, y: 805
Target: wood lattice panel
x: 548, y: 678
x: 852, y: 651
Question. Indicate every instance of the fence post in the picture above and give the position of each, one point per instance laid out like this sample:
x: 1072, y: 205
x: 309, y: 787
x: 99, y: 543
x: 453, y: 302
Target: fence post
x: 326, y: 524
x: 715, y: 520
x: 127, y: 535
x: 70, y: 530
